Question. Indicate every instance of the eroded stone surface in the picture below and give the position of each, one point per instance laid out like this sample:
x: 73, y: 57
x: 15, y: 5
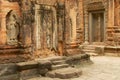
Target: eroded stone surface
x: 65, y: 73
x: 104, y: 68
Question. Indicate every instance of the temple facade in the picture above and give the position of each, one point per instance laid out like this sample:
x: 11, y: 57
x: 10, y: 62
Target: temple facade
x: 41, y: 28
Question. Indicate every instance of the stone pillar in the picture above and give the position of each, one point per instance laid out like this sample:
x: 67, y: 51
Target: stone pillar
x: 81, y: 22
x: 90, y: 27
x: 111, y: 13
x: 86, y: 27
x: 27, y: 22
x: 116, y: 12
x: 38, y: 26
x: 73, y: 14
x: 55, y: 35
x: 3, y: 36
x: 61, y: 28
x: 2, y: 24
x: 99, y: 27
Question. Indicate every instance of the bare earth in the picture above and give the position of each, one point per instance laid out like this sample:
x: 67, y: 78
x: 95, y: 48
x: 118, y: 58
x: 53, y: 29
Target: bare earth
x: 104, y: 68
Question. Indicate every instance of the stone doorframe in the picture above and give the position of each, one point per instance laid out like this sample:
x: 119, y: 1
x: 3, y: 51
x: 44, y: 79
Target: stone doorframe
x: 93, y: 6
x: 38, y: 27
x: 90, y: 25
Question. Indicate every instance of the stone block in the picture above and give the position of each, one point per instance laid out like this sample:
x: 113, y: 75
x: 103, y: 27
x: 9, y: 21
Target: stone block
x: 58, y: 62
x: 50, y: 74
x: 7, y: 69
x: 54, y: 67
x: 99, y: 50
x: 76, y: 59
x: 27, y: 65
x: 30, y: 73
x: 43, y: 71
x: 44, y: 64
x: 68, y: 73
x: 65, y: 73
x: 10, y: 77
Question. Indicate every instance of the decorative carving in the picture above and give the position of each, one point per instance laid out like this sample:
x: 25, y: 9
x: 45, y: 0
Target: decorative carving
x: 12, y: 26
x: 60, y: 18
x: 95, y: 6
x: 46, y: 26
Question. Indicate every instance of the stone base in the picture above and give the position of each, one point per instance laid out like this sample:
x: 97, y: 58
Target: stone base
x: 10, y: 77
x: 8, y: 72
x: 111, y: 50
x: 14, y: 54
x: 29, y: 73
x: 77, y: 59
x: 64, y: 73
x: 99, y: 50
x: 59, y: 65
x: 70, y: 52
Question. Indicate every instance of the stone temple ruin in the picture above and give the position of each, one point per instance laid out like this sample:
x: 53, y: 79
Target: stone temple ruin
x: 34, y: 30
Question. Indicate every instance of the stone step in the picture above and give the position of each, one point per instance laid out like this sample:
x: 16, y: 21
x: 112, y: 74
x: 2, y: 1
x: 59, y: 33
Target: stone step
x: 64, y: 73
x: 52, y: 58
x: 56, y: 58
x: 26, y: 65
x: 92, y: 54
x: 88, y: 50
x: 54, y: 67
x: 58, y: 62
x: 91, y: 48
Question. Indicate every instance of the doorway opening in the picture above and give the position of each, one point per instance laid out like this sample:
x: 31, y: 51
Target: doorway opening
x: 96, y: 27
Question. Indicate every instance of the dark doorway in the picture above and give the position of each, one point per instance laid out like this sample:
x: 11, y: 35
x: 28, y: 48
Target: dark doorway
x: 97, y: 27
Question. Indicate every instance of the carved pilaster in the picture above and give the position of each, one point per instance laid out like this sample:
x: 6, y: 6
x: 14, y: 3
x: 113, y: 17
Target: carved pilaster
x: 86, y: 27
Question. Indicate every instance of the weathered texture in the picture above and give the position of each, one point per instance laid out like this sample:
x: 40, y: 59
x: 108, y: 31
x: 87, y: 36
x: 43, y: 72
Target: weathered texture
x: 10, y: 77
x: 65, y: 73
x: 7, y: 69
x: 5, y: 8
x: 44, y: 67
x: 31, y: 29
x: 12, y: 54
x: 77, y: 59
x: 8, y: 72
x: 27, y: 65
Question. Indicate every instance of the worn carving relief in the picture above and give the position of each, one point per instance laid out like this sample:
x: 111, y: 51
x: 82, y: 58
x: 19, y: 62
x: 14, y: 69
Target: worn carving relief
x: 72, y: 15
x: 12, y: 27
x: 47, y: 27
x: 61, y: 21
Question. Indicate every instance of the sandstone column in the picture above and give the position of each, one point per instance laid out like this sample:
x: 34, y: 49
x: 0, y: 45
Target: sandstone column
x: 38, y: 26
x: 73, y: 14
x: 86, y: 27
x: 111, y: 13
x: 55, y: 35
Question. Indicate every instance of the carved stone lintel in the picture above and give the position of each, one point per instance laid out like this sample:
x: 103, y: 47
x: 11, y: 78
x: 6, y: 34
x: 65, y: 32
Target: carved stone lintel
x: 95, y: 6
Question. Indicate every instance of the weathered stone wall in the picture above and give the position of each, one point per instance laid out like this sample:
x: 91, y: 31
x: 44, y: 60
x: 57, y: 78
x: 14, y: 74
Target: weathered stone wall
x: 94, y: 6
x: 112, y: 25
x: 70, y: 23
x: 74, y: 21
x: 113, y: 29
x: 11, y: 53
x: 74, y: 25
x: 5, y: 8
